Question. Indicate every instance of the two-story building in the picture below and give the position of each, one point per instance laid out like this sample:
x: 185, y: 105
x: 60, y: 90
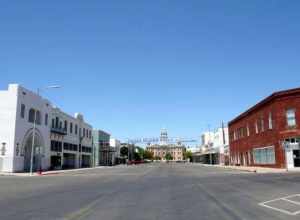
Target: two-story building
x: 35, y: 134
x: 268, y: 134
x: 71, y: 141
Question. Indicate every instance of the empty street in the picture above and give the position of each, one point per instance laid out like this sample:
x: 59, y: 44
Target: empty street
x: 154, y: 191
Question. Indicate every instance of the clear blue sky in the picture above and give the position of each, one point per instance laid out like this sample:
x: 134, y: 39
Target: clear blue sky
x: 133, y: 67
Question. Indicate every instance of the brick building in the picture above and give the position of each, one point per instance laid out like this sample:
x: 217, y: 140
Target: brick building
x: 176, y: 151
x: 268, y: 134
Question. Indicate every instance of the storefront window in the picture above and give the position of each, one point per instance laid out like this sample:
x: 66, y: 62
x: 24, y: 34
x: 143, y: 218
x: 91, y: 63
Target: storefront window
x: 264, y: 155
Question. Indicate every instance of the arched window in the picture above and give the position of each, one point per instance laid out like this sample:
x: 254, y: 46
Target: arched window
x: 31, y: 115
x: 71, y: 127
x: 56, y: 122
x: 76, y: 129
x: 46, y: 119
x: 66, y: 126
x: 38, y: 117
x: 22, y: 111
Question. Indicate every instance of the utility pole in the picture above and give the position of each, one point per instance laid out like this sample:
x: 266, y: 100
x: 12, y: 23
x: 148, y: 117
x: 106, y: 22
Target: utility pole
x: 33, y: 142
x: 223, y: 131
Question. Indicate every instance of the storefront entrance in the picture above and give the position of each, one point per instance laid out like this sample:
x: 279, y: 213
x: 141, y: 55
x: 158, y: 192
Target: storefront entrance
x: 292, y: 152
x: 55, y: 163
x: 69, y: 161
x: 86, y: 161
x: 296, y: 156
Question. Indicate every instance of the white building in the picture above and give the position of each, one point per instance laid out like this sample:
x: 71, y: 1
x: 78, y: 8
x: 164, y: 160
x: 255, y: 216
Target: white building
x: 220, y: 139
x: 71, y: 141
x: 214, y: 146
x: 206, y: 138
x: 19, y: 108
x: 116, y: 144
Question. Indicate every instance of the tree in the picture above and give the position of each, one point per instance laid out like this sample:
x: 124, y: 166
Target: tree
x: 124, y: 151
x: 168, y: 157
x: 139, y: 153
x: 148, y: 155
x: 157, y: 158
x: 188, y: 155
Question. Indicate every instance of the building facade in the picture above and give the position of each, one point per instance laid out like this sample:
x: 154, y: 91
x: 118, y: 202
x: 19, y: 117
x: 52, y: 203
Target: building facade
x: 104, y: 153
x: 71, y: 141
x: 22, y: 140
x: 213, y: 147
x: 268, y: 134
x: 116, y: 145
x: 160, y: 150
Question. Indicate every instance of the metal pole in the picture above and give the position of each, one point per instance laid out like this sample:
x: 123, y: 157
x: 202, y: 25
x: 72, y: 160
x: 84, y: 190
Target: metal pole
x: 32, y: 146
x: 128, y: 152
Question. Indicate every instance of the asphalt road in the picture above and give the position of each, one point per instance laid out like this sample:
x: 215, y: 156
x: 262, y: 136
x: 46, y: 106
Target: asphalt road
x: 154, y: 191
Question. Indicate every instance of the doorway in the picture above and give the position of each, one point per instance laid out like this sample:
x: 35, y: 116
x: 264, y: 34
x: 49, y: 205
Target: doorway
x: 296, y: 156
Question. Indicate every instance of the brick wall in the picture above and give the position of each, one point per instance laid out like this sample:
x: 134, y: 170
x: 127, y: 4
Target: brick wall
x: 269, y: 137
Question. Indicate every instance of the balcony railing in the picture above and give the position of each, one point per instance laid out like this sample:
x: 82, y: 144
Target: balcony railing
x: 60, y: 131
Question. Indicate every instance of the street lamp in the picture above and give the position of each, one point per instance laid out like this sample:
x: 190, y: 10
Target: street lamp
x: 34, y: 127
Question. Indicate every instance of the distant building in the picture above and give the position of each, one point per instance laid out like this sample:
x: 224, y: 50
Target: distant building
x: 213, y: 147
x: 163, y: 148
x: 104, y: 153
x: 116, y: 145
x: 268, y: 133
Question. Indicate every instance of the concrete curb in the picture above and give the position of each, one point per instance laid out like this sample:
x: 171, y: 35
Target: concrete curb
x: 250, y: 169
x: 57, y: 172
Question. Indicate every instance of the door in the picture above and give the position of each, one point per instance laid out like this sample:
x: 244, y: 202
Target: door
x: 296, y: 156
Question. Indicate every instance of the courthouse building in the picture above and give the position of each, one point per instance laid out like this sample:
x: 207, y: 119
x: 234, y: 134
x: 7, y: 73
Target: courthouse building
x: 59, y: 139
x: 268, y: 134
x: 163, y: 148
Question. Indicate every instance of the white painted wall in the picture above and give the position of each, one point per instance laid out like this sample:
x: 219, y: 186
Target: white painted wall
x: 117, y: 145
x: 14, y: 129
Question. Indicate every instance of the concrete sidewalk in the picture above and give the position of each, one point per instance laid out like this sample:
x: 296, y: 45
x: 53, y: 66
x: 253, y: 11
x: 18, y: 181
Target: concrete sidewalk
x: 57, y: 172
x: 255, y: 169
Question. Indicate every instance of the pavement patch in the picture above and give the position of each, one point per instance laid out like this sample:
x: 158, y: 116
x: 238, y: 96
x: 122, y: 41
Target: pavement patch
x: 289, y: 205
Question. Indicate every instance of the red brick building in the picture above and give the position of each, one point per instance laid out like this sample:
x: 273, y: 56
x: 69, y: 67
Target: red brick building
x: 268, y: 134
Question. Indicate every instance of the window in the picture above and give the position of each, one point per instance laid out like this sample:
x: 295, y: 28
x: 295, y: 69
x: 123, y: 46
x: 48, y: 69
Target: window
x: 53, y: 123
x: 270, y: 121
x: 46, y: 119
x: 83, y: 132
x: 56, y: 122
x: 66, y: 126
x: 56, y: 146
x: 71, y: 127
x: 22, y: 111
x: 248, y: 130
x: 76, y: 129
x: 262, y: 124
x: 264, y: 155
x: 256, y: 127
x: 38, y: 117
x: 291, y: 117
x: 31, y: 115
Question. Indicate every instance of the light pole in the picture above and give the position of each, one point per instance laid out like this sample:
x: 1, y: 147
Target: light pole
x: 34, y: 127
